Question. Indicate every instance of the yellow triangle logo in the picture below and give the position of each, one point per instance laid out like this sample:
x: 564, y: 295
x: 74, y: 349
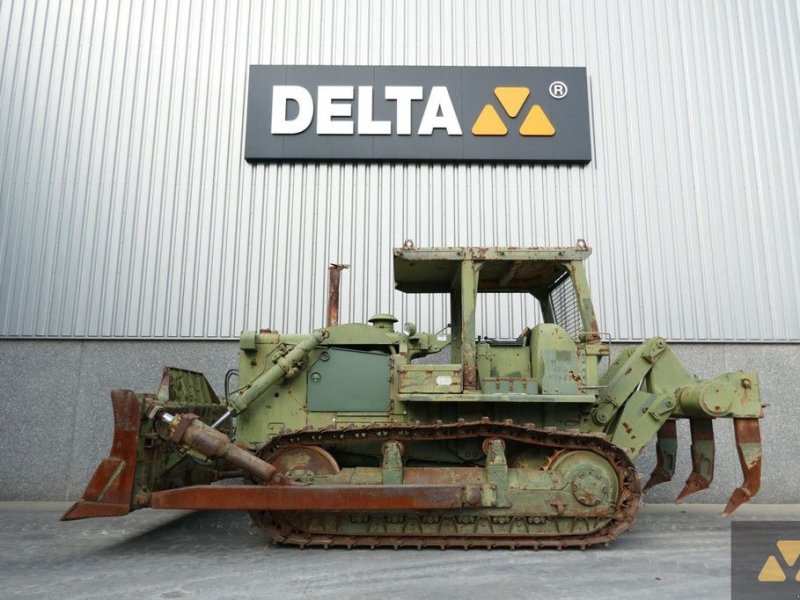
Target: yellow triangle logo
x: 489, y: 123
x: 771, y: 571
x: 512, y: 98
x: 790, y: 549
x: 537, y: 123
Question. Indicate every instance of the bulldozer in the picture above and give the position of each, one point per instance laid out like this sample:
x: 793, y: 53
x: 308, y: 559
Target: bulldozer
x: 359, y: 435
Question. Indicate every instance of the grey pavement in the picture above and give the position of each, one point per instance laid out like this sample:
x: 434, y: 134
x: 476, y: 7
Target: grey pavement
x: 672, y: 552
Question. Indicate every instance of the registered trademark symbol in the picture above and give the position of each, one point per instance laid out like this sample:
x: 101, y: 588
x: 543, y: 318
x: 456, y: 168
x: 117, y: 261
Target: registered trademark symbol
x: 558, y: 89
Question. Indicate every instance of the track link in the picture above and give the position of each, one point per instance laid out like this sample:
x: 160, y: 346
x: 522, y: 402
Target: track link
x: 283, y: 529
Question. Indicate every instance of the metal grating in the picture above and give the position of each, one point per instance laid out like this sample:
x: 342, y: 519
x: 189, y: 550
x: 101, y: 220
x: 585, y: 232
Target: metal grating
x: 564, y: 302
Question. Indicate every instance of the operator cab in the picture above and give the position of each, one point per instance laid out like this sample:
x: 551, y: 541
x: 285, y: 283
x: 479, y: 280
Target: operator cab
x: 557, y: 356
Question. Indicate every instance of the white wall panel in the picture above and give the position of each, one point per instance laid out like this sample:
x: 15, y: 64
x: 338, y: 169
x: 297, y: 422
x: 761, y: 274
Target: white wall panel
x: 127, y: 210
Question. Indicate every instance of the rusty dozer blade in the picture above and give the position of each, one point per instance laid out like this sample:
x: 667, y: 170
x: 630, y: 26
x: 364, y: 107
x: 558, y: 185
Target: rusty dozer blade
x: 144, y: 458
x: 748, y: 446
x: 702, y: 458
x: 108, y: 493
x: 666, y: 449
x: 126, y: 481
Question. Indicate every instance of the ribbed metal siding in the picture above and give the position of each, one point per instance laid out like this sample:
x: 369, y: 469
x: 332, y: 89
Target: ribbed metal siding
x: 126, y: 209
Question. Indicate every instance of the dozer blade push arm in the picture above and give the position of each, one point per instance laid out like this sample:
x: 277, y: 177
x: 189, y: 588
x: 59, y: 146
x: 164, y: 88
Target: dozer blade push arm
x: 188, y: 430
x: 646, y: 388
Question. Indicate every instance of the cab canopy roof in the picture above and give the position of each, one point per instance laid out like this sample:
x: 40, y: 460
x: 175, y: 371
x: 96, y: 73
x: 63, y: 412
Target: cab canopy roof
x: 431, y: 270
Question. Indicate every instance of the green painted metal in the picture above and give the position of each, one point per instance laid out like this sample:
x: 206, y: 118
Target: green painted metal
x: 728, y: 395
x: 392, y: 463
x: 349, y: 380
x: 547, y: 376
x: 501, y: 397
x: 429, y: 379
x: 428, y: 270
x: 641, y: 417
x: 554, y: 357
x: 497, y: 471
x: 286, y: 366
x: 350, y: 375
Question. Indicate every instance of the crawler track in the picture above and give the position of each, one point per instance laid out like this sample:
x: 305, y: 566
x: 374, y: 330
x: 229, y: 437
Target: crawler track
x: 480, y: 529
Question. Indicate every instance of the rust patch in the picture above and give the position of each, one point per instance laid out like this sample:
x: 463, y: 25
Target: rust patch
x: 748, y: 446
x: 665, y: 456
x: 334, y: 280
x: 109, y: 491
x: 301, y: 497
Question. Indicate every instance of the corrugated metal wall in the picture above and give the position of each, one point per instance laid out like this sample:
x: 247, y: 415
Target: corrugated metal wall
x: 127, y: 210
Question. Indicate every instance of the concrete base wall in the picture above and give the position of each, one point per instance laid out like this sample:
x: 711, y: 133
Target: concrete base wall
x: 56, y: 421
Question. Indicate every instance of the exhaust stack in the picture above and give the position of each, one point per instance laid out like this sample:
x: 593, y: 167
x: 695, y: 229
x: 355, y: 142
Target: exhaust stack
x: 334, y: 279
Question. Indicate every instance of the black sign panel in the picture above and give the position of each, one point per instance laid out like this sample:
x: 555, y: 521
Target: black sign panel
x: 490, y: 114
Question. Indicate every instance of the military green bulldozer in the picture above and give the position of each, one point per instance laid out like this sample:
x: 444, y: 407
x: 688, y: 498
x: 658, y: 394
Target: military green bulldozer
x: 354, y: 435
